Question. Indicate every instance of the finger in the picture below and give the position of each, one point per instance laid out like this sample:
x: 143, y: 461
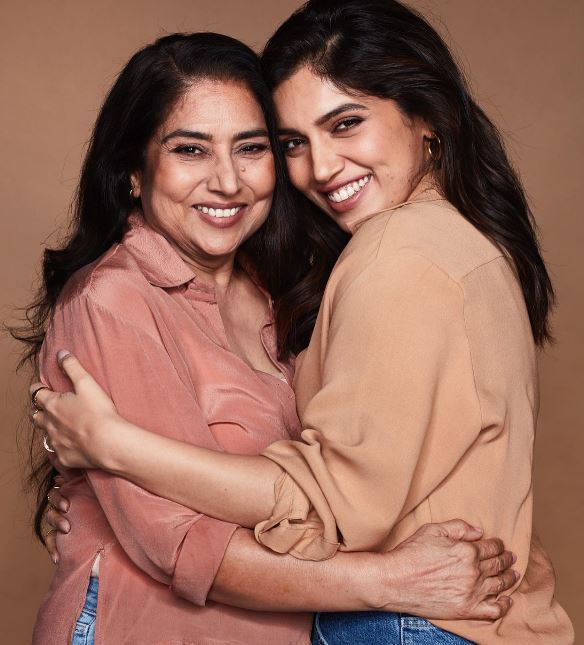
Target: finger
x: 57, y: 500
x: 33, y: 415
x: 490, y: 548
x: 71, y: 367
x: 51, y: 545
x: 43, y: 397
x: 460, y: 530
x: 35, y: 389
x: 53, y: 457
x: 494, y: 609
x: 56, y: 521
x: 495, y: 566
x: 41, y: 420
x: 496, y: 585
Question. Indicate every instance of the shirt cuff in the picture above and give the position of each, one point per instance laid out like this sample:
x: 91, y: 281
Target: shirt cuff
x: 294, y: 527
x: 200, y: 558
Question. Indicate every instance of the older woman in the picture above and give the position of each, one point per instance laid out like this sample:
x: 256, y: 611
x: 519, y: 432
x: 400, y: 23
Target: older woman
x: 183, y: 221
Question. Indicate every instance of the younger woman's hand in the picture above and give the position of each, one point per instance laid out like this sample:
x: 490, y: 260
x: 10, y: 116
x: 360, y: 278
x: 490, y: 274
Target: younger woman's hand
x: 447, y: 571
x: 75, y: 423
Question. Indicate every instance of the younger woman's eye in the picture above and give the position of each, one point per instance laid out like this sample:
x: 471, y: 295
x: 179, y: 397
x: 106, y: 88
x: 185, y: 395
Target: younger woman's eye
x: 347, y: 124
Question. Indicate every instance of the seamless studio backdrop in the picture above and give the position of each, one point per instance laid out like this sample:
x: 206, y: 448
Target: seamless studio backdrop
x: 524, y: 62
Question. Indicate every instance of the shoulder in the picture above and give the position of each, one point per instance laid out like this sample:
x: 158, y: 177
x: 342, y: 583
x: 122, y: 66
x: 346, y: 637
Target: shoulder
x: 438, y: 232
x: 427, y: 251
x: 113, y: 284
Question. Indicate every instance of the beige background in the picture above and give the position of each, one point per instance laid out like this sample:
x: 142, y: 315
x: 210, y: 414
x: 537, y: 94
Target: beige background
x: 58, y: 57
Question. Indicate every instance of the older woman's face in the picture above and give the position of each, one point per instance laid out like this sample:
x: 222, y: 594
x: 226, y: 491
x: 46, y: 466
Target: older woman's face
x: 352, y: 156
x: 208, y: 176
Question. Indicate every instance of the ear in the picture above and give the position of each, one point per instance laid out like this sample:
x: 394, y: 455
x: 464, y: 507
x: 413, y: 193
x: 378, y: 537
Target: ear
x: 426, y: 130
x: 136, y: 183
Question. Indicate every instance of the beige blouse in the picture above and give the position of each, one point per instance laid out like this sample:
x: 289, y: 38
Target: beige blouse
x: 418, y: 395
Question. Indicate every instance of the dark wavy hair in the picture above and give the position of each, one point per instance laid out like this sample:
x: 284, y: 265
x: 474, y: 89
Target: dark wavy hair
x: 384, y: 49
x: 141, y: 98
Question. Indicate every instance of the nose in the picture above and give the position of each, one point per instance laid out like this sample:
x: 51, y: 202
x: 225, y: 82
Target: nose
x: 225, y: 176
x: 325, y: 162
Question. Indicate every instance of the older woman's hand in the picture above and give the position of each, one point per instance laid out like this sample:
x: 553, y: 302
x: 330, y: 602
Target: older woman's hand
x: 55, y: 518
x: 75, y: 423
x: 446, y: 571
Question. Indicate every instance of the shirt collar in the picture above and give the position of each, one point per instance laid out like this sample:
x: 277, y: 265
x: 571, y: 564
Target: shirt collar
x: 159, y: 262
x: 163, y: 267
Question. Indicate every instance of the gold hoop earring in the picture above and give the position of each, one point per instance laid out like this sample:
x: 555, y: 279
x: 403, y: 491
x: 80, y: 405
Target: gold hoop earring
x: 434, y: 147
x: 132, y: 193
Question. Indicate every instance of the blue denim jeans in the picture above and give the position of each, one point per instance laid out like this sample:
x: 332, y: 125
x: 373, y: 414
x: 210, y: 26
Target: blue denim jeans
x: 379, y: 628
x: 84, y: 633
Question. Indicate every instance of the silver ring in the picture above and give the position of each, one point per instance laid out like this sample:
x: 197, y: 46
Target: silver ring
x: 46, y: 444
x: 33, y: 396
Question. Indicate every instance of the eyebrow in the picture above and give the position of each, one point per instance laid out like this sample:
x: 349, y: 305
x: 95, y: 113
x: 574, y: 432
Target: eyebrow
x: 338, y: 110
x: 194, y: 134
x: 326, y: 117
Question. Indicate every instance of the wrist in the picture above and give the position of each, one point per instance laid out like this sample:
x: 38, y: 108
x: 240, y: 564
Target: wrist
x: 110, y: 450
x: 388, y: 582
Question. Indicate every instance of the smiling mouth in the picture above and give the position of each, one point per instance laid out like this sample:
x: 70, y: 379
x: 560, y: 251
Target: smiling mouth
x: 219, y: 212
x: 348, y: 190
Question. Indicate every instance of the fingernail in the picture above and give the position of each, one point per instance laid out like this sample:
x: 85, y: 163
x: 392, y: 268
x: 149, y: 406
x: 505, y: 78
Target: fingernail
x: 517, y: 575
x: 55, y: 558
x: 514, y: 557
x: 64, y: 527
x: 62, y: 355
x: 478, y: 528
x: 63, y: 507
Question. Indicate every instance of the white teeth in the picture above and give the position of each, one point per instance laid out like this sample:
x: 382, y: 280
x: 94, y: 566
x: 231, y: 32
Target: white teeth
x: 349, y: 190
x: 219, y: 212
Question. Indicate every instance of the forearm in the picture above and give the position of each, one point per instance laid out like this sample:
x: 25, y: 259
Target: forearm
x: 233, y: 488
x: 252, y: 577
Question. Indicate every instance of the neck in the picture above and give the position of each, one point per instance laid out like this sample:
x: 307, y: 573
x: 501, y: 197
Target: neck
x: 426, y: 185
x: 218, y: 272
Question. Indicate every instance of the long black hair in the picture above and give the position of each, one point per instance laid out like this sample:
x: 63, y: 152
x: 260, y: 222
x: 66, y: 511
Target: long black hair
x: 140, y: 100
x: 384, y: 49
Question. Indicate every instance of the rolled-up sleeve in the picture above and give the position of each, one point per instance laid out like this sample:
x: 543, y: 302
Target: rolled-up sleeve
x: 172, y: 544
x: 396, y: 409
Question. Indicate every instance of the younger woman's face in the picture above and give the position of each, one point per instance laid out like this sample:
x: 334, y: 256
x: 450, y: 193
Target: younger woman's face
x: 352, y: 156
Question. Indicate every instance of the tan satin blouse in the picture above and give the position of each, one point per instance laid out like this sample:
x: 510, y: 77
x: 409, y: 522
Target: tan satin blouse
x: 419, y: 395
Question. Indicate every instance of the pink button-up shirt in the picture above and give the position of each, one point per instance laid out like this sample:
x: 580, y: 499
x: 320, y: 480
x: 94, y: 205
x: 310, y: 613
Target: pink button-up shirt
x: 150, y: 332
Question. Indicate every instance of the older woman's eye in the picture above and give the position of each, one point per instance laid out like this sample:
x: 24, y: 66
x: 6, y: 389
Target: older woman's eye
x: 347, y: 124
x: 254, y: 149
x: 189, y: 149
